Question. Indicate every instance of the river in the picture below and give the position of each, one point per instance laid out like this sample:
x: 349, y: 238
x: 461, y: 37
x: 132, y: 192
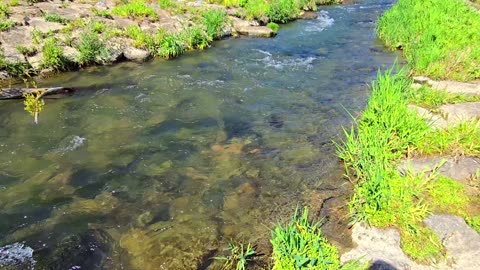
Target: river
x: 159, y: 165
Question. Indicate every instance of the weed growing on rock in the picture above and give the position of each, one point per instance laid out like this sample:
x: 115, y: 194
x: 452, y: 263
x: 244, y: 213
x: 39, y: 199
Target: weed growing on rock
x: 170, y: 46
x: 429, y: 98
x: 300, y: 245
x: 53, y: 55
x: 92, y: 49
x: 136, y: 9
x: 214, y: 20
x: 195, y: 38
x: 165, y: 4
x: 102, y: 13
x: 273, y: 26
x: 6, y: 25
x: 27, y: 51
x: 460, y: 139
x: 439, y: 38
x: 282, y: 11
x: 53, y: 17
x: 239, y: 257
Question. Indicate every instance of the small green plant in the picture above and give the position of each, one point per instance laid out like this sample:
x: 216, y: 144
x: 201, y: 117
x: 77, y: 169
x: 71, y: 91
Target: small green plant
x: 92, y: 49
x: 53, y: 55
x: 34, y: 104
x: 136, y: 9
x: 282, y: 11
x: 4, y: 12
x: 239, y: 257
x: 102, y: 13
x: 300, y: 245
x: 440, y: 41
x: 255, y: 9
x: 166, y: 4
x: 97, y: 27
x: 214, y: 20
x: 429, y: 98
x: 27, y: 51
x: 13, y: 3
x: 273, y: 26
x: 194, y: 38
x: 54, y: 17
x: 6, y: 25
x: 170, y: 46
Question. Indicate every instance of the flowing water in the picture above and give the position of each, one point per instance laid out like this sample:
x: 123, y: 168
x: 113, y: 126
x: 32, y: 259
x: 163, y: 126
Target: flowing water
x: 159, y: 165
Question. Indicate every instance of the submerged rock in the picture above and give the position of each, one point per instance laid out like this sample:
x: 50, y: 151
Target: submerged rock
x: 88, y: 250
x: 16, y: 256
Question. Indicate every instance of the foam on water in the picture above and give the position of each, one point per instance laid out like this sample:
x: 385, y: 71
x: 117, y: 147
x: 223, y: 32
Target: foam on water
x: 280, y: 62
x: 318, y: 25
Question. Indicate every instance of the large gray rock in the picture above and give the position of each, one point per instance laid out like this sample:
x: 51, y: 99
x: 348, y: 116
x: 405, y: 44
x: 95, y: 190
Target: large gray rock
x: 36, y: 61
x: 460, y: 240
x: 461, y: 169
x: 255, y: 31
x: 20, y: 35
x: 135, y: 54
x: 70, y: 53
x: 12, y: 55
x: 43, y: 26
x: 455, y: 113
x: 381, y: 246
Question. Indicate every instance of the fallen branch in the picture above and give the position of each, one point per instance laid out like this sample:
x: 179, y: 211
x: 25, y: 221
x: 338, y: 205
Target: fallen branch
x: 16, y: 93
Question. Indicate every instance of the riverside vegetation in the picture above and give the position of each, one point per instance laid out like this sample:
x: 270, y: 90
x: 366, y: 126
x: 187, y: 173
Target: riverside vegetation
x: 439, y: 38
x: 63, y: 40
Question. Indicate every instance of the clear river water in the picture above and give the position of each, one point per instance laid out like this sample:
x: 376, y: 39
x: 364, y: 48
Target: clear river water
x: 159, y: 165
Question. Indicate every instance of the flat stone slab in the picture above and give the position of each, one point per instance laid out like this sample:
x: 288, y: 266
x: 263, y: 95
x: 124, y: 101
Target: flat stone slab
x: 456, y: 87
x: 472, y: 88
x: 43, y: 26
x: 434, y: 120
x: 455, y: 113
x: 381, y: 247
x: 461, y: 169
x: 255, y: 31
x: 460, y: 240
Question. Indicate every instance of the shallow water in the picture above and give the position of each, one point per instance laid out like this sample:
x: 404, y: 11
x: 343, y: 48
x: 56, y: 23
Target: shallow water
x: 159, y: 165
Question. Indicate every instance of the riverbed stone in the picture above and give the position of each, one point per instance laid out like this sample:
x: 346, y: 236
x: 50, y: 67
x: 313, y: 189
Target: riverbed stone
x: 36, y: 61
x: 461, y: 242
x: 255, y: 31
x: 17, y: 36
x: 70, y: 53
x: 43, y: 26
x: 308, y: 15
x: 135, y: 54
x: 455, y: 113
x: 12, y: 55
x: 456, y: 87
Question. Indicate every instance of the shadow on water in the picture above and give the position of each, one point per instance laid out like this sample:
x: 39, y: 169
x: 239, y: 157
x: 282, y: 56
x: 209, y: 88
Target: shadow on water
x: 158, y: 165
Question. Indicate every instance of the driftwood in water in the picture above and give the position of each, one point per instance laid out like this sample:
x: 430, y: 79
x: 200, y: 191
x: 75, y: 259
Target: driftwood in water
x: 14, y: 93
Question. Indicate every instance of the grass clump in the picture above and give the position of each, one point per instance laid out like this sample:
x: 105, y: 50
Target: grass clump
x: 53, y: 55
x: 102, y: 13
x: 457, y: 140
x: 214, y: 21
x: 54, y: 17
x: 136, y: 9
x: 195, y: 38
x: 6, y: 25
x: 239, y: 257
x: 27, y: 51
x: 170, y: 46
x: 438, y: 37
x: 387, y: 131
x: 429, y: 98
x: 447, y: 195
x: 92, y: 49
x: 165, y: 4
x: 300, y: 245
x: 273, y: 26
x: 255, y: 9
x: 282, y: 11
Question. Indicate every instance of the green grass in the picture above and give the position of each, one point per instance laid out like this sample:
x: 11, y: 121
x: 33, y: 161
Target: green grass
x: 27, y: 51
x: 239, y: 256
x: 300, y: 245
x: 474, y: 222
x: 214, y: 21
x: 102, y: 13
x: 92, y: 49
x: 439, y: 38
x: 53, y: 55
x: 273, y: 26
x: 195, y: 38
x: 457, y: 140
x: 6, y: 25
x: 136, y: 9
x: 53, y: 17
x: 429, y: 98
x: 448, y: 195
x: 283, y: 11
x: 170, y: 46
x: 165, y: 4
x: 255, y: 9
